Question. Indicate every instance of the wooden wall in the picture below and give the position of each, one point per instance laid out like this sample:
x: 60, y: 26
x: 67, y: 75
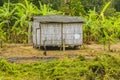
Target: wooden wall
x: 72, y: 33
x: 51, y: 32
x: 55, y: 33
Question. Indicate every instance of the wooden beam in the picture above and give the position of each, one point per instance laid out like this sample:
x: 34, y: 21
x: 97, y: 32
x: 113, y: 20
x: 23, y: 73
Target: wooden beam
x: 62, y: 38
x: 63, y: 44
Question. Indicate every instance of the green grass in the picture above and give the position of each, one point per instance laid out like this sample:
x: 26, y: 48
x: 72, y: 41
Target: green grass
x: 102, y: 67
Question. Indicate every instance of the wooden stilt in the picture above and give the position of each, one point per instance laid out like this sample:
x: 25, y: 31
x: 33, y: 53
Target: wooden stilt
x: 63, y: 44
x: 45, y: 49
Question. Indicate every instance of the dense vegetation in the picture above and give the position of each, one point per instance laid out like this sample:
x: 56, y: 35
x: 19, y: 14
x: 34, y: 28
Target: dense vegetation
x: 102, y: 18
x: 102, y: 67
x: 102, y: 26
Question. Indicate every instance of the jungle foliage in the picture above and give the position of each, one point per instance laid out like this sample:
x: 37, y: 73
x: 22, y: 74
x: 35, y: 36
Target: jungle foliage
x: 102, y: 26
x: 102, y: 18
x: 102, y: 67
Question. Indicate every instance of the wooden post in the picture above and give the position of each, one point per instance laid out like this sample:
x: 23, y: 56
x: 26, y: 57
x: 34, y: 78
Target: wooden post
x: 0, y: 43
x: 45, y: 49
x: 37, y: 37
x: 30, y: 33
x: 63, y: 44
x: 62, y: 38
x: 40, y: 36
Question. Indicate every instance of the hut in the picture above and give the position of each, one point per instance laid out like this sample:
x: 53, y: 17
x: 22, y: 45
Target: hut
x: 57, y: 30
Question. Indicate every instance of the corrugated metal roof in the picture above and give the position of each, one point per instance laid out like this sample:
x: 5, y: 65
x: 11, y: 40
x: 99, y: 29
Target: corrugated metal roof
x: 58, y: 18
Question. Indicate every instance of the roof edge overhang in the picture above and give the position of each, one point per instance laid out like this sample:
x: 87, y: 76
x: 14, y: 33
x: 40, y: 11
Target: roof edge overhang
x: 58, y: 19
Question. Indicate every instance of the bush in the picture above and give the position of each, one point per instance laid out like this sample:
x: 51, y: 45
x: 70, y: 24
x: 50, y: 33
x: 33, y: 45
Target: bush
x: 103, y: 67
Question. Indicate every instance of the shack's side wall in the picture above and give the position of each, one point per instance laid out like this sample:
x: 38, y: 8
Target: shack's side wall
x: 51, y: 34
x: 36, y: 33
x: 72, y: 33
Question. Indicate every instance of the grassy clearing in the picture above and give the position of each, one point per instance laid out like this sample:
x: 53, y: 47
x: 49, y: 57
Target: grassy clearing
x: 102, y: 67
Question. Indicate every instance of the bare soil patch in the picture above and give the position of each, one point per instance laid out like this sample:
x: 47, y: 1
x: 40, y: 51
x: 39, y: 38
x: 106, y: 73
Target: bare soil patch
x: 27, y: 54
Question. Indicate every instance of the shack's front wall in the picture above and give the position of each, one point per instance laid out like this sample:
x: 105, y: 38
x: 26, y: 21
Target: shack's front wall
x: 51, y: 33
x: 55, y: 33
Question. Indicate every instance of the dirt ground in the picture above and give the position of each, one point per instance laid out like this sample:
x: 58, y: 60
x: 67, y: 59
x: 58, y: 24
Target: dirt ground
x: 27, y: 54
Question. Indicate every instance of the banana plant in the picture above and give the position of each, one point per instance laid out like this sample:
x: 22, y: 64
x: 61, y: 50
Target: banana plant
x: 91, y: 29
x: 7, y: 16
x: 101, y: 16
x: 29, y: 10
x: 116, y: 22
x: 107, y: 26
x: 108, y: 34
x: 45, y: 9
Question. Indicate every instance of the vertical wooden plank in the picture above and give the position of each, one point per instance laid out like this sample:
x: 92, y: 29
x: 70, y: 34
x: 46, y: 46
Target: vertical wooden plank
x: 34, y: 34
x: 62, y: 37
x: 40, y: 36
x: 63, y: 44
